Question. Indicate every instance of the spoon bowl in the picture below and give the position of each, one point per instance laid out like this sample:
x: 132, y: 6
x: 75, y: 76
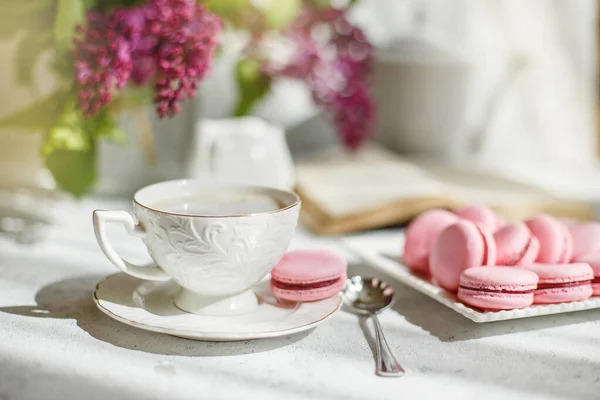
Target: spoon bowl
x: 367, y: 295
x: 370, y: 296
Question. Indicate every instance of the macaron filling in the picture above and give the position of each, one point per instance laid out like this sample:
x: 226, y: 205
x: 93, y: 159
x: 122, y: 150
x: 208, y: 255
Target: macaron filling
x: 305, y: 286
x: 506, y: 291
x: 542, y: 286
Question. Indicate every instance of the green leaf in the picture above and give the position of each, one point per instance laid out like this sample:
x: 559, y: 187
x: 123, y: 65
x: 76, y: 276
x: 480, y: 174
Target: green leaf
x: 106, y: 127
x: 69, y: 150
x: 321, y: 3
x: 281, y: 13
x: 66, y: 138
x: 69, y: 14
x: 227, y: 8
x: 28, y: 54
x: 330, y: 3
x: 131, y: 98
x: 75, y: 132
x: 252, y: 83
x: 123, y: 3
x: 41, y: 115
x: 73, y: 171
x: 237, y: 12
x: 69, y: 133
x: 70, y: 145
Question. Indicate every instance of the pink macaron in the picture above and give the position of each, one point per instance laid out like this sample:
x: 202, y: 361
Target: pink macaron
x: 515, y: 245
x: 555, y: 239
x: 308, y: 275
x: 481, y: 215
x: 594, y: 261
x: 460, y: 246
x: 586, y: 238
x: 568, y: 222
x: 420, y: 235
x: 497, y: 288
x: 561, y: 283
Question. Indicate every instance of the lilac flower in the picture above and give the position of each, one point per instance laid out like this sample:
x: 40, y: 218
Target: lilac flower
x: 144, y: 68
x: 354, y: 116
x: 170, y: 41
x: 187, y: 41
x: 102, y: 62
x: 334, y: 58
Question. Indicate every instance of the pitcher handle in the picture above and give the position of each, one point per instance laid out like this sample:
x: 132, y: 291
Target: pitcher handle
x: 151, y: 272
x: 206, y: 142
x: 207, y: 138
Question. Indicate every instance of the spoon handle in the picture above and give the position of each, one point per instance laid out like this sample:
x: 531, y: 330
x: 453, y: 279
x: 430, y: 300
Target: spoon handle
x: 386, y: 362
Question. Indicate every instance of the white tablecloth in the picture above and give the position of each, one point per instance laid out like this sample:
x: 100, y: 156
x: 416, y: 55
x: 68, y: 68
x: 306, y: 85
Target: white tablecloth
x: 54, y: 343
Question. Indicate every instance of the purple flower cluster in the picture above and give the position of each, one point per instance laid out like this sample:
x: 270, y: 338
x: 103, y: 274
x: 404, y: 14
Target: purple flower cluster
x: 102, y: 62
x: 337, y: 67
x: 171, y: 42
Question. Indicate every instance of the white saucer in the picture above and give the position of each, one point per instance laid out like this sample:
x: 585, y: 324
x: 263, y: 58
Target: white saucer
x: 149, y: 305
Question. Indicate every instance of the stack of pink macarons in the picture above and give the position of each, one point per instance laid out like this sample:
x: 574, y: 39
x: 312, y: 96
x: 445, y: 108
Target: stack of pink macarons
x: 472, y: 251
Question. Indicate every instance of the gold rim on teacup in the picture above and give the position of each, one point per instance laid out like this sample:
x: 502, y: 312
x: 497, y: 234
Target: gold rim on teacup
x: 264, y: 189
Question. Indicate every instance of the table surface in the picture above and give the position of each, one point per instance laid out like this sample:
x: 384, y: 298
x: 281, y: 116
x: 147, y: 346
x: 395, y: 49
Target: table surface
x: 55, y: 344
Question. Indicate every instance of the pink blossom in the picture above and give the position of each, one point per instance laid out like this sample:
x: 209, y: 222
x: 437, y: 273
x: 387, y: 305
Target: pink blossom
x: 187, y: 42
x: 169, y: 41
x: 354, y: 116
x: 100, y: 62
x: 337, y: 70
x: 144, y: 68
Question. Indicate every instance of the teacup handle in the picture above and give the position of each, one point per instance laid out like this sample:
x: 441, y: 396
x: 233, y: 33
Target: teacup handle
x: 101, y: 217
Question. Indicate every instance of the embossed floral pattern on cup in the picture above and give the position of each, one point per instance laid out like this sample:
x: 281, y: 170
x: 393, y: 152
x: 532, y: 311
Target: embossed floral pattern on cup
x: 217, y: 256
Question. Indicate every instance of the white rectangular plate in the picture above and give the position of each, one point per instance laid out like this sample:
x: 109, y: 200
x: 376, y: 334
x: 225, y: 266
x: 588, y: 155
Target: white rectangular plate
x: 392, y: 267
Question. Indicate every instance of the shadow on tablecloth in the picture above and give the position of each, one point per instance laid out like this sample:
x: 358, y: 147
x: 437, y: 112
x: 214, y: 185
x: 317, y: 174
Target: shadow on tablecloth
x: 451, y: 345
x: 72, y: 299
x: 450, y: 326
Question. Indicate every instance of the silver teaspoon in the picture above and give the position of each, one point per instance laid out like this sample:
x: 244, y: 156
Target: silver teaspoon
x: 370, y: 296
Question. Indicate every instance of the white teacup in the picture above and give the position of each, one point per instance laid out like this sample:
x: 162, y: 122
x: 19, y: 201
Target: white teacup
x: 216, y: 241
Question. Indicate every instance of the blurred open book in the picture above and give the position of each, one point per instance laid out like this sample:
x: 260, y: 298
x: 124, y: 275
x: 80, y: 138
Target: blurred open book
x: 374, y: 188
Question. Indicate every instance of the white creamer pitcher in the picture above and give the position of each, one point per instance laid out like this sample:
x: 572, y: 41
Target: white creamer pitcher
x: 246, y: 150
